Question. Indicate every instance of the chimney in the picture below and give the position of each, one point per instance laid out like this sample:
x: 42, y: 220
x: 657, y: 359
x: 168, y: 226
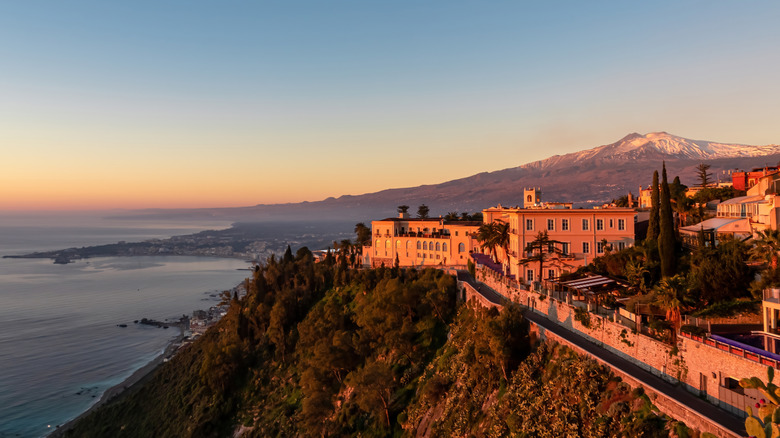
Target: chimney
x: 402, y: 215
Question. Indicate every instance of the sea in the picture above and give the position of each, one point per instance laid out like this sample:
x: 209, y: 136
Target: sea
x: 61, y: 345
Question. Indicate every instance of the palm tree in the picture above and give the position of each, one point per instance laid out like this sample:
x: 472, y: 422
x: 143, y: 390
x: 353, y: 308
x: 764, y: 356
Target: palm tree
x: 494, y: 235
x: 540, y: 248
x: 635, y: 273
x: 673, y: 294
x: 767, y: 247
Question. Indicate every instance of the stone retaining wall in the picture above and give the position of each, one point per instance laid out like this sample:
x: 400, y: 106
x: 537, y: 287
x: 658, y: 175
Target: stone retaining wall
x: 701, y: 368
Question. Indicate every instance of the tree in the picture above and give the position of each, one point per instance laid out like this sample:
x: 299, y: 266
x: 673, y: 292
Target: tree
x: 374, y: 384
x: 653, y: 224
x: 422, y: 211
x: 403, y: 209
x: 767, y: 247
x: 363, y: 234
x: 667, y: 244
x: 540, y: 248
x: 492, y: 236
x: 673, y: 294
x: 705, y: 178
x: 720, y: 272
x: 452, y: 216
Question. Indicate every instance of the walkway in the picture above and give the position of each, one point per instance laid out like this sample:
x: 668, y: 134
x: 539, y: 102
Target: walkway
x: 678, y: 393
x: 484, y: 290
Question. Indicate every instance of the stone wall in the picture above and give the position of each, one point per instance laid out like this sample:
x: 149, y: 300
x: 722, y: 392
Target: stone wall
x: 469, y: 294
x: 664, y: 403
x: 703, y: 369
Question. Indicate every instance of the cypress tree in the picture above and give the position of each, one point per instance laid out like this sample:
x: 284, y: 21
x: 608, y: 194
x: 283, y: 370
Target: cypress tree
x: 652, y: 226
x: 666, y: 240
x: 288, y: 257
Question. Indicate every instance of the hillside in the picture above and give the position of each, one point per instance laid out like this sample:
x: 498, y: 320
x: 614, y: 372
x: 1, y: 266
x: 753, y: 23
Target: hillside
x: 320, y: 349
x: 587, y: 177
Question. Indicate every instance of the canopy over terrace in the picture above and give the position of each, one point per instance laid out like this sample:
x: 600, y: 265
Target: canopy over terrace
x: 587, y: 286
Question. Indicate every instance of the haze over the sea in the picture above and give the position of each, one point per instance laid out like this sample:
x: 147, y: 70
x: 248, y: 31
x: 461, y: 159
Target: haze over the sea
x: 215, y: 104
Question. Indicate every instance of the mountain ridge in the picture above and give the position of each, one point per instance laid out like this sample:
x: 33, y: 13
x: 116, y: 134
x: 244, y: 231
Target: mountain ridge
x: 588, y: 177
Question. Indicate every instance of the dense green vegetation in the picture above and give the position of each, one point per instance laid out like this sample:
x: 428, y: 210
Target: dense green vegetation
x: 322, y: 349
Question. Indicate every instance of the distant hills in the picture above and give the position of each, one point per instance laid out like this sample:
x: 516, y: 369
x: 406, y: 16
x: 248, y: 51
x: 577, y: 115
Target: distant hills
x: 587, y: 177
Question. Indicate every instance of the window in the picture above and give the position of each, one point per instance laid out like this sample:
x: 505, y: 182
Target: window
x: 425, y: 246
x: 418, y: 245
x: 621, y: 224
x: 599, y: 247
x: 388, y: 244
x: 585, y: 225
x: 564, y: 225
x: 550, y: 224
x: 621, y: 246
x: 461, y: 247
x: 529, y: 224
x: 398, y: 245
x: 438, y: 247
x: 444, y: 246
x: 456, y: 234
x: 612, y: 223
x: 586, y: 247
x: 599, y: 224
x: 550, y: 274
x: 378, y: 243
x: 564, y: 248
x: 529, y: 275
x: 408, y: 245
x: 430, y: 246
x: 551, y: 248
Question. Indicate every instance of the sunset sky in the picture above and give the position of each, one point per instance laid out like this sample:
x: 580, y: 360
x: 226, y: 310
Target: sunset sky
x: 131, y: 104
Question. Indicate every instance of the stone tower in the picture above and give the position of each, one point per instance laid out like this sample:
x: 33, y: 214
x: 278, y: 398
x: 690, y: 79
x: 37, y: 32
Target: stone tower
x: 532, y: 197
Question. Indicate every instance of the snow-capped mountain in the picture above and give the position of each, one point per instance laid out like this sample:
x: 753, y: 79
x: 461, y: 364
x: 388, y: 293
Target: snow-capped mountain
x: 657, y: 145
x: 588, y: 177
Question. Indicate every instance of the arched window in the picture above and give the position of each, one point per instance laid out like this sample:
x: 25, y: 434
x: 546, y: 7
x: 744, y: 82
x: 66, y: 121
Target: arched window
x: 438, y: 247
x: 461, y: 247
x: 418, y: 244
x: 408, y: 245
x: 378, y: 243
x: 430, y: 246
x: 425, y: 246
x: 530, y: 198
x: 444, y: 246
x: 388, y: 244
x: 398, y: 245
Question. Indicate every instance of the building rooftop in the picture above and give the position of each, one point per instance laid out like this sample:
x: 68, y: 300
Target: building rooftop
x: 433, y: 219
x: 710, y: 224
x: 743, y: 200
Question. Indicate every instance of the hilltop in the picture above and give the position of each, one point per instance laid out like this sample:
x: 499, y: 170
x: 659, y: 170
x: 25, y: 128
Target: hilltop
x: 325, y: 350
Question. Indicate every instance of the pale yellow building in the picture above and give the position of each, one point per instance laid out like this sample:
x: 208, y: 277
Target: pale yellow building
x: 421, y: 242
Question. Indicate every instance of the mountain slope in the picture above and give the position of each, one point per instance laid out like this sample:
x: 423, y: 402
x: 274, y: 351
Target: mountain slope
x: 587, y: 177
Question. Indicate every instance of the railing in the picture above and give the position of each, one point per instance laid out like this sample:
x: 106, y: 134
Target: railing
x: 746, y: 353
x: 772, y: 295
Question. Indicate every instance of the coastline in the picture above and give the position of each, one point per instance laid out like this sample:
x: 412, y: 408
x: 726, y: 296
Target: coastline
x: 138, y: 378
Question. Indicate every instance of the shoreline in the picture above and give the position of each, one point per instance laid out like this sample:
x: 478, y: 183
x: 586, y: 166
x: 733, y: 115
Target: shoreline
x: 139, y: 377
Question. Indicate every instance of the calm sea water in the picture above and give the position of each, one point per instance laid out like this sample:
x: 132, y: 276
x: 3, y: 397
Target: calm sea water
x: 60, y: 346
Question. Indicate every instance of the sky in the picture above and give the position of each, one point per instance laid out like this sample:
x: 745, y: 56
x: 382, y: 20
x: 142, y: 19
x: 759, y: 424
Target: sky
x: 173, y: 104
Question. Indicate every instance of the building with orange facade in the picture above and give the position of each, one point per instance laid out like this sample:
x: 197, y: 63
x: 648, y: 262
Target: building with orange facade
x: 744, y: 180
x: 421, y: 242
x: 580, y: 235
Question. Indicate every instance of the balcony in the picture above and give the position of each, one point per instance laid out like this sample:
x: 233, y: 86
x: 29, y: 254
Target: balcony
x: 772, y: 295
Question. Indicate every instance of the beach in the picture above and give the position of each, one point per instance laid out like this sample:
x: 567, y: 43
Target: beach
x: 138, y: 378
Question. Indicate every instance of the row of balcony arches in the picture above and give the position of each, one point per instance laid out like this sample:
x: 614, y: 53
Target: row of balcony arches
x: 425, y: 246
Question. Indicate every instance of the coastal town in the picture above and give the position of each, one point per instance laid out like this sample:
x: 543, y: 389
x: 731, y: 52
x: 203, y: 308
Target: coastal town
x: 541, y: 255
